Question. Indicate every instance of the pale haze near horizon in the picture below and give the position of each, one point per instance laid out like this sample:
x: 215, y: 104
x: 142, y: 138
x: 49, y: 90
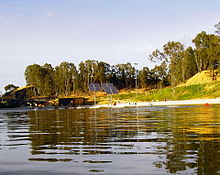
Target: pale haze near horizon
x: 114, y: 31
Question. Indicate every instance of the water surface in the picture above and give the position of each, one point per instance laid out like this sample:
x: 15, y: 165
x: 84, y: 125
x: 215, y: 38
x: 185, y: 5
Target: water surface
x: 135, y: 141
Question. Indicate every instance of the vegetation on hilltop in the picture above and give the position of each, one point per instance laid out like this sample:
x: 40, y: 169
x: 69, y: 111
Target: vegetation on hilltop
x: 202, y: 78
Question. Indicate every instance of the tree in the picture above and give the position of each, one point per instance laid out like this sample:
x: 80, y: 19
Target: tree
x: 82, y: 79
x: 10, y: 87
x: 207, y: 52
x: 91, y: 70
x: 172, y: 55
x: 213, y: 52
x: 189, y: 63
x: 202, y: 43
x: 88, y: 71
x: 74, y: 78
x: 34, y: 76
x: 65, y: 76
x: 217, y: 26
x: 125, y: 74
x: 103, y: 72
x: 161, y: 75
x: 144, y: 77
x: 174, y: 51
x: 48, y: 80
x: 113, y: 77
x: 41, y: 78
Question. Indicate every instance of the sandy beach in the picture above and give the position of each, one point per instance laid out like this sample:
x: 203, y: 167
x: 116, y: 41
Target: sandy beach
x: 205, y: 102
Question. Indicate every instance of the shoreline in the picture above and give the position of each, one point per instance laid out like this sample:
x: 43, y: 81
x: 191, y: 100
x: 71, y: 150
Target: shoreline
x: 205, y: 102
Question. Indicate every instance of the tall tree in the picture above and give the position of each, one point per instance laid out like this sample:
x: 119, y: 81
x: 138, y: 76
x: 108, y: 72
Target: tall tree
x: 103, y: 72
x: 189, y: 64
x: 171, y: 55
x: 65, y: 78
x: 48, y: 80
x: 207, y: 52
x: 88, y: 71
x: 82, y: 78
x: 74, y: 78
x: 202, y: 43
x: 91, y: 70
x: 160, y: 75
x: 144, y: 77
x: 113, y: 76
x: 217, y: 26
x: 175, y: 50
x: 34, y: 76
x: 125, y: 74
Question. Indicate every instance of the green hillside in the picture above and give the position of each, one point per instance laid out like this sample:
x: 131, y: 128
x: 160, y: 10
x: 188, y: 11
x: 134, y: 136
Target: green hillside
x: 200, y: 86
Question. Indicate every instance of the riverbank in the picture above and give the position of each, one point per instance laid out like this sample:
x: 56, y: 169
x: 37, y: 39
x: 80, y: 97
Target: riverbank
x: 205, y: 102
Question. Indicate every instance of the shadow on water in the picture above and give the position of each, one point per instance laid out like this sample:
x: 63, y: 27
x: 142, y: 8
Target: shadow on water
x: 157, y: 140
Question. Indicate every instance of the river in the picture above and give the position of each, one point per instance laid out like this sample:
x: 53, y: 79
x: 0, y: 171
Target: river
x: 134, y: 141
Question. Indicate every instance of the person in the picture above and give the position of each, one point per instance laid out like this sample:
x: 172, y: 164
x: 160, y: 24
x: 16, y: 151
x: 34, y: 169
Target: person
x: 71, y: 103
x: 206, y: 104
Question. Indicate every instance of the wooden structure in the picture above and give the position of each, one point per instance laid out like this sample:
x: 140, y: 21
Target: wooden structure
x: 72, y: 102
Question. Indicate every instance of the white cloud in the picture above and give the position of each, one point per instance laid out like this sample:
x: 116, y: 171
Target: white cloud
x: 50, y: 13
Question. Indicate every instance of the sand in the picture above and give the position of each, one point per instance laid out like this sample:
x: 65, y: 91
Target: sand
x: 205, y: 102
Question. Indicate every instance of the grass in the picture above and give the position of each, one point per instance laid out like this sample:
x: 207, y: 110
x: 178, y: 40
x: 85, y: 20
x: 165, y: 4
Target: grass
x: 195, y: 91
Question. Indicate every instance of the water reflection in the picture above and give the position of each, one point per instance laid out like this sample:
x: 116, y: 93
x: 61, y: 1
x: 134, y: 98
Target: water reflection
x: 81, y: 132
x: 194, y: 142
x: 120, y: 141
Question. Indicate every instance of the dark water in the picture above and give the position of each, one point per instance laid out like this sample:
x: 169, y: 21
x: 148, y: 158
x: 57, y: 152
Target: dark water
x: 144, y: 140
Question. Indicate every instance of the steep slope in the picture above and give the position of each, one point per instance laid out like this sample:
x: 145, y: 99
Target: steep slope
x: 201, y: 78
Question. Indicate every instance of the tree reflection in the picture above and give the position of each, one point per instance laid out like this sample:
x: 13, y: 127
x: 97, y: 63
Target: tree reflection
x: 60, y: 128
x: 186, y: 138
x: 194, y: 142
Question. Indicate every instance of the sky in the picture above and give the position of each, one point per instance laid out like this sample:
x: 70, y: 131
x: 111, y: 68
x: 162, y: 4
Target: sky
x: 114, y: 31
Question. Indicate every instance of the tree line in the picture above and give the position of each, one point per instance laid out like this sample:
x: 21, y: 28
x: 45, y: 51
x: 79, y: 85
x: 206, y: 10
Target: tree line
x: 66, y: 79
x: 175, y: 64
x: 182, y: 63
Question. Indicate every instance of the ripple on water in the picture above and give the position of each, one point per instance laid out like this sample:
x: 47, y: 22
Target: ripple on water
x: 158, y: 140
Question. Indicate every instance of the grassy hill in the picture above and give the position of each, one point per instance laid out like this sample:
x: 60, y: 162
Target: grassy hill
x: 200, y: 86
x: 202, y: 78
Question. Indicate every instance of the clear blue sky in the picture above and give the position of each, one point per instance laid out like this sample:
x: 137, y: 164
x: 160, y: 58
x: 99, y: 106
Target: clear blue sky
x: 115, y: 31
